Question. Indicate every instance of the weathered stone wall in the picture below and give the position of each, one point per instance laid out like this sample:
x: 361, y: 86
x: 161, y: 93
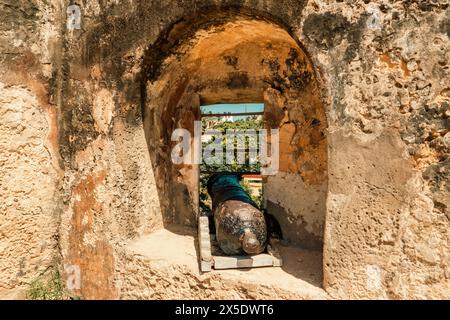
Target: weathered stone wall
x: 76, y: 171
x: 109, y: 185
x: 374, y: 91
x: 30, y: 172
x: 387, y: 69
x: 108, y: 64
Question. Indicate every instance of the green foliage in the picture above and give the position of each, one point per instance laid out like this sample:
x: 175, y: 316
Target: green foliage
x: 251, y: 122
x: 47, y: 287
x: 245, y: 123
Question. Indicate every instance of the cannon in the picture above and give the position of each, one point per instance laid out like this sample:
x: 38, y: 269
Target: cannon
x: 240, y: 225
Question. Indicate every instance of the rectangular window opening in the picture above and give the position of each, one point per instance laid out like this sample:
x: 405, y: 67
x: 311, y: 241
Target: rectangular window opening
x: 246, y: 121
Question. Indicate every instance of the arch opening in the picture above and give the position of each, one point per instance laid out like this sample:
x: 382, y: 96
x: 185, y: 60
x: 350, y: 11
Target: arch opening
x: 242, y: 60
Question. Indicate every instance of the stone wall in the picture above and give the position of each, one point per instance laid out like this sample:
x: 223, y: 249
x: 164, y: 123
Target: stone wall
x: 30, y: 168
x: 387, y: 69
x: 77, y: 181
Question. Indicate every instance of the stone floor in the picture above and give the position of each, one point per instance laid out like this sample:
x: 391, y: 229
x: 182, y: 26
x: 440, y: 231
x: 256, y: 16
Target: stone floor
x: 172, y: 254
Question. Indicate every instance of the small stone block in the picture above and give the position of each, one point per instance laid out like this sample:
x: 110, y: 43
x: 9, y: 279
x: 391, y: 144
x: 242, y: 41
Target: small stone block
x: 204, y: 244
x: 273, y: 251
x: 205, y: 266
x: 233, y: 262
x: 277, y: 262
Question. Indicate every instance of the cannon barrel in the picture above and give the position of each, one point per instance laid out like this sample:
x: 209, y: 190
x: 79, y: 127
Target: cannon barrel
x: 240, y: 225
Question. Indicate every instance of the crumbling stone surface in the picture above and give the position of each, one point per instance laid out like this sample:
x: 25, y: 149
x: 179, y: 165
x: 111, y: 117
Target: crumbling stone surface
x: 140, y: 278
x: 28, y: 191
x: 387, y: 66
x: 147, y: 273
x: 30, y: 171
x: 82, y: 171
x: 302, y: 225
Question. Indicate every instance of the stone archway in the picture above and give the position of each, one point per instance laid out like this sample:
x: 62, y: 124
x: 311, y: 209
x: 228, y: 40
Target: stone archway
x: 73, y: 120
x: 167, y: 82
x: 241, y: 59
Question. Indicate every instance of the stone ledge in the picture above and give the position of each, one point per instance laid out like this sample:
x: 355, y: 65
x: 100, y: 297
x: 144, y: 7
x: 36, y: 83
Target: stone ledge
x: 164, y: 265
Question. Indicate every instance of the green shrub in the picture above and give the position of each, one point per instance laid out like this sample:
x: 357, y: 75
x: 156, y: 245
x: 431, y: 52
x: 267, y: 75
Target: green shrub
x: 47, y: 286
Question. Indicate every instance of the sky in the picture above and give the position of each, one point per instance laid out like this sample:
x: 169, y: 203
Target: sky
x: 241, y: 107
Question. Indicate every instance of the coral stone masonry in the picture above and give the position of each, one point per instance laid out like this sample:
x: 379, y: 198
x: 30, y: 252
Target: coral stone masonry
x: 91, y: 92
